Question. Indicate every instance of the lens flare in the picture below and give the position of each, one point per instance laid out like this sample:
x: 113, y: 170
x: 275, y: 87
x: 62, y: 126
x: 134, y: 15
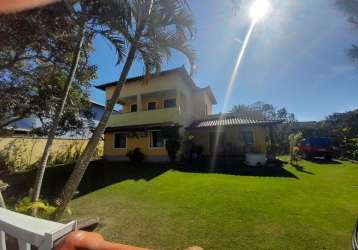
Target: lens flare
x: 259, y: 9
x: 229, y: 92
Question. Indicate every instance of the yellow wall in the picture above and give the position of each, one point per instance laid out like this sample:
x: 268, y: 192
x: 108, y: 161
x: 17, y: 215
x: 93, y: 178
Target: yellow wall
x: 31, y: 149
x: 157, y: 84
x: 231, y: 137
x: 145, y: 100
x: 132, y: 142
x: 192, y: 102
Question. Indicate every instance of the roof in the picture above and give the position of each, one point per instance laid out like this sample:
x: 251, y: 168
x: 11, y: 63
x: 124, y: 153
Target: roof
x: 96, y: 103
x: 180, y: 70
x: 231, y: 120
x: 140, y: 127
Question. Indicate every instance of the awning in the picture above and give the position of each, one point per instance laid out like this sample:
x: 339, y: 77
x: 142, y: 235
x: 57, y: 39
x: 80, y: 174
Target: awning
x: 141, y: 127
x: 231, y: 121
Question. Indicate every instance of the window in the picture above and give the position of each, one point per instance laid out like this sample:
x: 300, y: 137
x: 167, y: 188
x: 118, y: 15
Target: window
x: 156, y: 139
x: 248, y: 137
x: 120, y: 140
x: 134, y: 107
x: 152, y: 105
x: 206, y: 109
x: 170, y: 103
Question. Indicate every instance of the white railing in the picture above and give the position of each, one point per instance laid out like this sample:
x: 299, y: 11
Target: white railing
x: 30, y: 231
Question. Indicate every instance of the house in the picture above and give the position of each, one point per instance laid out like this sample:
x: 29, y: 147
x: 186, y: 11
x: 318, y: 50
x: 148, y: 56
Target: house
x: 172, y: 99
x: 25, y: 126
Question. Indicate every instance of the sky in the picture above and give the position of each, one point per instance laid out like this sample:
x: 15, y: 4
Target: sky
x: 296, y: 57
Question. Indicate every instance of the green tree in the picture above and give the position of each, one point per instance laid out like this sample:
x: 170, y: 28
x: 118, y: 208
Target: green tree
x: 28, y: 39
x: 41, y: 50
x: 350, y: 7
x: 90, y: 22
x: 173, y: 141
x: 261, y: 110
x: 151, y: 29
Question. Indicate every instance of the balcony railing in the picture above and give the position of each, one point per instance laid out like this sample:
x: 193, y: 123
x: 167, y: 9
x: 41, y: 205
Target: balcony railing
x: 145, y: 117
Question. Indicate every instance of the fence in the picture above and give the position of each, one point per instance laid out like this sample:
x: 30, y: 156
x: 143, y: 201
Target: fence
x: 25, y: 151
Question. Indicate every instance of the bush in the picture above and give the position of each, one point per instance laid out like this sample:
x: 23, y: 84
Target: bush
x: 44, y: 209
x: 197, y: 150
x: 294, y: 140
x: 136, y: 155
x: 173, y: 141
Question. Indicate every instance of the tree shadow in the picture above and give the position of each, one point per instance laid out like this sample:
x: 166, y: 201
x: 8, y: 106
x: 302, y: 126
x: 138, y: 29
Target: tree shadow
x: 324, y: 161
x: 235, y: 168
x: 103, y: 173
x: 301, y: 169
x: 99, y: 174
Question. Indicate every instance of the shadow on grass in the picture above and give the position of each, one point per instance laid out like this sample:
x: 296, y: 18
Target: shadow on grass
x: 324, y: 161
x: 99, y: 174
x: 102, y: 173
x: 236, y: 168
x: 301, y: 169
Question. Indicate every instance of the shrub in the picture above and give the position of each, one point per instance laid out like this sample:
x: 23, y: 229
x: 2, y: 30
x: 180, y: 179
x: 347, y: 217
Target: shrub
x: 136, y: 155
x: 173, y: 141
x: 294, y: 139
x: 197, y: 150
x: 44, y: 209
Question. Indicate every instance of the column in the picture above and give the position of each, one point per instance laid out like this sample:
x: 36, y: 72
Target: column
x: 178, y: 100
x: 139, y: 102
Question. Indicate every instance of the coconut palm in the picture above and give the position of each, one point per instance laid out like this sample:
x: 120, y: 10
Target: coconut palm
x: 151, y: 30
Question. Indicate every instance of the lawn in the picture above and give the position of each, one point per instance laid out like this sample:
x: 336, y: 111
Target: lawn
x: 313, y: 207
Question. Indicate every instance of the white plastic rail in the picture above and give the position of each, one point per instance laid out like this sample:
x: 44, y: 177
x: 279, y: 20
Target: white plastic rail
x: 30, y: 231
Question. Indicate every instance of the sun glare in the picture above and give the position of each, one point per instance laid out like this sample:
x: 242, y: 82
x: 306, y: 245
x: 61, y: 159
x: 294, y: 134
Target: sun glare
x: 259, y: 9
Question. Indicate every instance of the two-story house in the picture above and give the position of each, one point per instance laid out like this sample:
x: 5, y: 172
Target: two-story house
x: 173, y: 99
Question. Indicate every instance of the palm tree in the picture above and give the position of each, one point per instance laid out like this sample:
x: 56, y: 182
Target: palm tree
x: 151, y: 29
x: 90, y: 22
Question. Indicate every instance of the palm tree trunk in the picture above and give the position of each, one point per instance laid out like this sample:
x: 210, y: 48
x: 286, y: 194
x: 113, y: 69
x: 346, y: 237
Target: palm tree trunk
x: 83, y: 161
x: 2, y: 202
x: 58, y: 114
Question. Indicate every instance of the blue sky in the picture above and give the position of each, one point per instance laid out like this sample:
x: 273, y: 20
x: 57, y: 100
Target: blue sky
x: 296, y: 57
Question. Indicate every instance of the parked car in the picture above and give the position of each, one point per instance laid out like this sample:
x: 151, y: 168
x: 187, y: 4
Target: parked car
x: 316, y: 147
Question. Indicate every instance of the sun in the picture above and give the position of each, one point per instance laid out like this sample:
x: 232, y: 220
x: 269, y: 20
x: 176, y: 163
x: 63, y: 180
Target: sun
x: 259, y: 9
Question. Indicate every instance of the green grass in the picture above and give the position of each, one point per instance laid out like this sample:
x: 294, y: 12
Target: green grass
x: 174, y: 210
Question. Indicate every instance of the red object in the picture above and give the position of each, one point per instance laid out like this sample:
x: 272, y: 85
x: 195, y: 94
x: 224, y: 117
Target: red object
x: 81, y: 240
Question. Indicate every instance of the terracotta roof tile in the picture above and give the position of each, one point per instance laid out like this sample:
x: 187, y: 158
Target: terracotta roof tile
x: 231, y: 121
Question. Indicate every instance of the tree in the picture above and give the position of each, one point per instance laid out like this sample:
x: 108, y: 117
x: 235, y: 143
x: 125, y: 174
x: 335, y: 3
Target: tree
x: 87, y: 19
x: 151, y: 28
x: 34, y: 48
x: 350, y: 7
x: 56, y: 120
x: 38, y: 71
x: 261, y: 110
x: 173, y: 141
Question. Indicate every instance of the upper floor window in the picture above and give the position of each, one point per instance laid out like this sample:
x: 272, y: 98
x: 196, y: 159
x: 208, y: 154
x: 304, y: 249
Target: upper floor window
x: 134, y: 107
x: 120, y: 140
x: 170, y: 103
x: 152, y: 105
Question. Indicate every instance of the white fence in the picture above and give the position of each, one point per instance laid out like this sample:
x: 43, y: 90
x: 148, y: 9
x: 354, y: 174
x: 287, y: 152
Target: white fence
x: 30, y: 231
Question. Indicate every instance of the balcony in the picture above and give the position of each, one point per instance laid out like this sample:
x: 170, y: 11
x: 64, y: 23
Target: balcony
x: 145, y: 117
